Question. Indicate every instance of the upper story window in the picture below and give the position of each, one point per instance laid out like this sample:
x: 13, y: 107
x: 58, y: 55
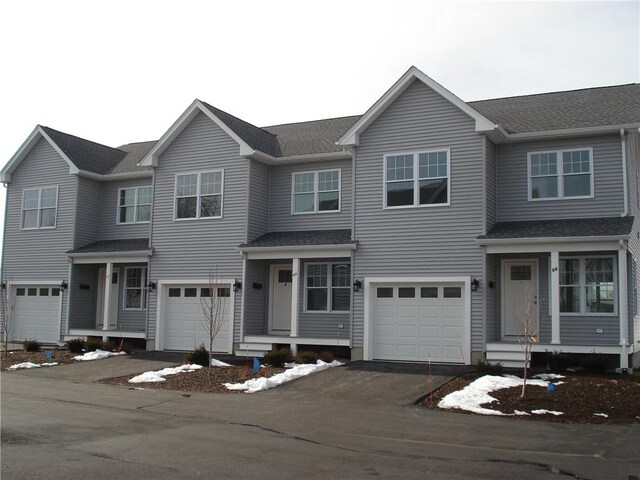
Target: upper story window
x: 134, y: 205
x: 417, y: 179
x: 199, y: 195
x: 316, y: 192
x: 561, y: 174
x: 39, y: 208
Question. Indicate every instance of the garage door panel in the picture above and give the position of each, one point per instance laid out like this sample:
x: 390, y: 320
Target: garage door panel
x: 452, y: 333
x: 406, y: 331
x: 36, y: 315
x: 406, y: 311
x: 431, y: 352
x: 430, y: 332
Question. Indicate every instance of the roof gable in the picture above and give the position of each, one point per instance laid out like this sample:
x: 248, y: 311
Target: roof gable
x: 352, y: 136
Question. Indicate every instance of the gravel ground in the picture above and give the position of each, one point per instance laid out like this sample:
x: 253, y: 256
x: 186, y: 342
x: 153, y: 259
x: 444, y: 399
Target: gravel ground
x: 59, y: 355
x: 579, y: 398
x: 204, y: 380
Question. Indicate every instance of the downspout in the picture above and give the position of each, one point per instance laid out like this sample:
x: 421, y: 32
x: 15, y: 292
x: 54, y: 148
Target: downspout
x: 623, y: 144
x: 353, y: 237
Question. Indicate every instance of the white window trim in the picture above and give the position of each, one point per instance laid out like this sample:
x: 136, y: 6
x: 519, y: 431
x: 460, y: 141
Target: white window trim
x: 143, y: 295
x: 198, y: 195
x: 416, y: 180
x: 316, y: 196
x: 560, y: 175
x: 135, y: 205
x: 22, y: 209
x: 583, y: 283
x: 329, y: 288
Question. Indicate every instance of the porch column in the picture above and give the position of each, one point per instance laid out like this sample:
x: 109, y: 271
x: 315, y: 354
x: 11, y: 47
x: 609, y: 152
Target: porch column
x: 555, y: 297
x: 295, y: 295
x: 623, y: 305
x: 107, y: 296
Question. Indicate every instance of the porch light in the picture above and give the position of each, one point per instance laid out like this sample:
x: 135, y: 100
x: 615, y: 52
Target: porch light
x: 357, y: 285
x: 474, y: 284
x: 236, y: 286
x: 151, y: 286
x: 3, y: 285
x: 63, y: 286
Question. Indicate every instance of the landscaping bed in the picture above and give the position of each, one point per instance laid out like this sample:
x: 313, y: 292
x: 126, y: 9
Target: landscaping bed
x: 580, y: 398
x: 204, y: 380
x: 60, y: 356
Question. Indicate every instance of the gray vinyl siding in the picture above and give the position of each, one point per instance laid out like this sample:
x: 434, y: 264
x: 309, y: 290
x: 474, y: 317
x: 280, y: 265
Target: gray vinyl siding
x: 130, y: 320
x: 491, y: 183
x: 633, y: 164
x: 424, y: 241
x: 191, y: 249
x: 280, y: 216
x: 40, y: 254
x: 87, y: 212
x: 492, y: 320
x: 258, y: 215
x: 513, y: 203
x: 82, y: 310
x: 256, y: 299
x: 321, y: 324
x: 109, y: 228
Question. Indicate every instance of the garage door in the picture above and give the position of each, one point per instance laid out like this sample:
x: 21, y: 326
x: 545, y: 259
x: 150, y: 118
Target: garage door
x: 36, y: 314
x: 418, y: 323
x: 185, y: 324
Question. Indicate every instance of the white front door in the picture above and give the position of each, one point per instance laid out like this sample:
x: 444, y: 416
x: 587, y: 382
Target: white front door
x: 113, y: 300
x: 280, y: 309
x: 519, y: 295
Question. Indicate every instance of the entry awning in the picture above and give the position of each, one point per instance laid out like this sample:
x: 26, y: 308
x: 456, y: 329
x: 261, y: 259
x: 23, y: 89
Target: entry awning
x: 120, y: 250
x: 300, y: 244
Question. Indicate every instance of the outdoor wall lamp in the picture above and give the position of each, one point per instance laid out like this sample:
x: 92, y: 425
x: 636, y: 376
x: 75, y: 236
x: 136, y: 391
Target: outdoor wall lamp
x: 151, y: 286
x: 357, y: 285
x: 236, y: 286
x: 3, y: 285
x: 63, y: 286
x: 474, y: 284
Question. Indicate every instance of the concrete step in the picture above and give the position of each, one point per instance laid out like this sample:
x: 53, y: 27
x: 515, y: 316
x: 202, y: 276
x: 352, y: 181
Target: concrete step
x: 253, y: 349
x: 250, y: 353
x: 493, y: 355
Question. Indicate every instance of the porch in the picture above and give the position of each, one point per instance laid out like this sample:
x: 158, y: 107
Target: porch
x: 573, y: 280
x: 297, y: 291
x: 108, y: 289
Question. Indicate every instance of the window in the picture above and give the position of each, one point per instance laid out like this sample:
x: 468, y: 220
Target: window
x: 174, y: 292
x: 417, y: 179
x: 452, y: 292
x: 20, y: 292
x: 316, y: 192
x: 561, y: 174
x: 199, y: 195
x: 587, y: 285
x: 406, y: 292
x: 384, y: 292
x: 328, y: 287
x: 429, y: 292
x: 134, y: 291
x: 134, y: 205
x: 39, y: 208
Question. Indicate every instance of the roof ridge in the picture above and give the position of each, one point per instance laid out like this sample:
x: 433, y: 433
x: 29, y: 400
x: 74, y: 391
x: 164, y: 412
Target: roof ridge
x: 237, y: 118
x: 80, y: 138
x: 311, y: 121
x: 552, y: 93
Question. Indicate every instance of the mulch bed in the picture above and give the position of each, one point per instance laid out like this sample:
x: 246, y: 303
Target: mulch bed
x: 204, y: 380
x: 579, y: 398
x: 13, y: 357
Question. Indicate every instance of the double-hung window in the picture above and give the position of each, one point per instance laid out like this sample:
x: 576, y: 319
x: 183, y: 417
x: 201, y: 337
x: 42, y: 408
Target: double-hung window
x: 199, y: 195
x: 416, y: 179
x: 588, y: 285
x: 134, y: 205
x: 327, y: 287
x: 39, y: 208
x: 315, y: 192
x: 561, y: 174
x: 134, y: 288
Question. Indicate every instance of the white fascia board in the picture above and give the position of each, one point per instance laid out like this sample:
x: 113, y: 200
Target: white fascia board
x: 571, y: 132
x: 141, y: 256
x: 351, y: 137
x: 308, y: 158
x: 110, y: 177
x: 298, y: 251
x: 550, y: 240
x: 26, y: 147
x: 549, y: 246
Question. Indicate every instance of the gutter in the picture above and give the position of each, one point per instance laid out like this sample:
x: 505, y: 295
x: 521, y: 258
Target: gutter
x: 543, y: 240
x: 623, y: 144
x: 299, y: 248
x: 131, y: 253
x: 114, y: 176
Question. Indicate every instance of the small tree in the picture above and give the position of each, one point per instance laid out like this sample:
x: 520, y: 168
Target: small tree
x: 214, y: 309
x: 528, y: 335
x: 7, y: 305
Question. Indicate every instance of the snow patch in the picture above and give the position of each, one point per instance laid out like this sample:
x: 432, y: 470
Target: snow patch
x: 97, y: 355
x: 542, y: 411
x: 519, y: 412
x: 218, y: 363
x: 549, y: 376
x: 19, y: 366
x: 601, y: 415
x: 477, y: 393
x: 158, y: 375
x: 259, y: 384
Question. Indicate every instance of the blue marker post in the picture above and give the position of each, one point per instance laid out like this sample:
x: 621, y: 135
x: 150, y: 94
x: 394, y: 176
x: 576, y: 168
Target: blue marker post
x: 256, y: 365
x: 551, y: 388
x: 49, y: 354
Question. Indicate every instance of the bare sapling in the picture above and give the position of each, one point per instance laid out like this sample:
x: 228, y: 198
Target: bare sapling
x: 214, y: 309
x: 8, y: 304
x: 528, y: 335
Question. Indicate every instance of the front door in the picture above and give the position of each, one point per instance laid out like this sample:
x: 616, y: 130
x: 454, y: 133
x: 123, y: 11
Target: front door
x: 280, y: 310
x: 519, y: 295
x: 113, y: 300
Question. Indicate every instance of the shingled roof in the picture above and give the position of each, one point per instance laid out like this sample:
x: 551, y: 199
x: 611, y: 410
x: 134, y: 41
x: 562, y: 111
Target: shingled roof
x: 589, y: 107
x: 582, y: 227
x: 114, y: 246
x: 302, y: 238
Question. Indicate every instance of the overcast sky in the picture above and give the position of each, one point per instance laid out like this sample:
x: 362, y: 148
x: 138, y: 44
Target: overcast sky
x: 122, y: 71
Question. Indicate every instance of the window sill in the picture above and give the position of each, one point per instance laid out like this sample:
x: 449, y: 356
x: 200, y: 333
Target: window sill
x: 431, y: 205
x: 196, y: 219
x: 321, y: 212
x: 326, y: 312
x: 133, y: 223
x: 583, y: 197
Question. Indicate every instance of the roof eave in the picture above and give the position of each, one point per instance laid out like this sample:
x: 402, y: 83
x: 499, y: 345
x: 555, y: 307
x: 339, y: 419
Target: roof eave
x: 571, y: 132
x: 130, y: 253
x: 107, y: 177
x: 538, y: 240
x: 283, y: 248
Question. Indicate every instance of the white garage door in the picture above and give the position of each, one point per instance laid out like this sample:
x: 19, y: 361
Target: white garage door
x: 418, y: 323
x: 36, y: 314
x: 185, y: 324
